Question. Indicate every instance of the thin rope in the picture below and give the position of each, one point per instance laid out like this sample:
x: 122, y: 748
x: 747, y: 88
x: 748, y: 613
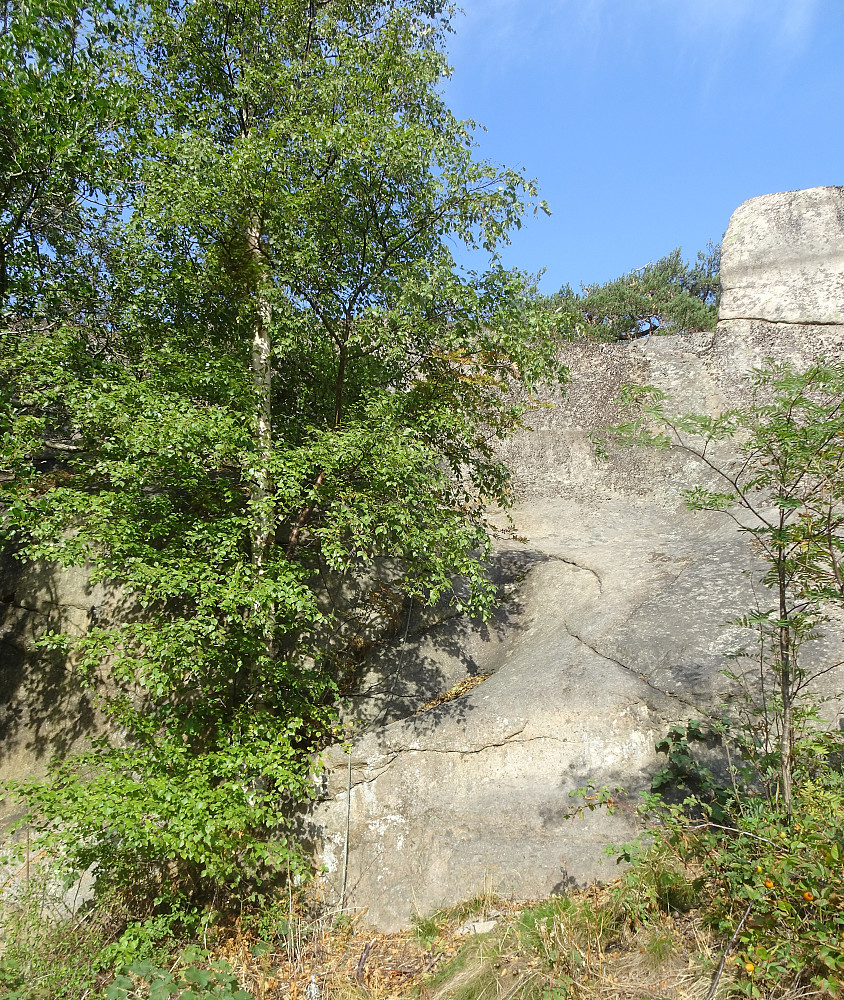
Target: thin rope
x: 348, y: 820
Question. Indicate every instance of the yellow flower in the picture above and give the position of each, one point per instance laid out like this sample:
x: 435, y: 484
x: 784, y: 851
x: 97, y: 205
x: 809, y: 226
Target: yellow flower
x: 749, y: 966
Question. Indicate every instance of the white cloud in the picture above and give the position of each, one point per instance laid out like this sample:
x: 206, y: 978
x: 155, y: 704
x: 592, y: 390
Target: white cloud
x: 798, y: 20
x: 514, y: 30
x: 781, y: 24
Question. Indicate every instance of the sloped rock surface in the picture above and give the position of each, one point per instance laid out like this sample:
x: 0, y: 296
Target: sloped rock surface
x: 613, y: 624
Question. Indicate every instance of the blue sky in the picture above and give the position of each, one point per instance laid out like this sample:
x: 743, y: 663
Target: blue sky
x: 647, y: 122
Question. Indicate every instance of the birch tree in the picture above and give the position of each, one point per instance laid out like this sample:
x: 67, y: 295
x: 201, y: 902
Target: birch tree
x: 287, y: 371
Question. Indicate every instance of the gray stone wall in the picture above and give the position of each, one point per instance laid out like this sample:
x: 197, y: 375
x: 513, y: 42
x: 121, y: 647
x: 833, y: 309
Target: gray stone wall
x: 44, y: 711
x: 613, y: 625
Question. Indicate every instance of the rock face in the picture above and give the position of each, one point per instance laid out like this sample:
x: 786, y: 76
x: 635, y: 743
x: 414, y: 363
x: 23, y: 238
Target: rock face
x: 43, y: 712
x: 783, y: 259
x: 612, y: 625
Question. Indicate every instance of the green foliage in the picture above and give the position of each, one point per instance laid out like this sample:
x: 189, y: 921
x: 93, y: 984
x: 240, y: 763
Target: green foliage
x: 782, y: 874
x: 276, y: 374
x: 143, y: 981
x: 60, y: 106
x: 683, y: 770
x: 660, y: 880
x: 57, y: 965
x: 147, y: 940
x: 788, y: 494
x: 768, y: 882
x: 426, y: 930
x: 669, y: 296
x: 208, y: 824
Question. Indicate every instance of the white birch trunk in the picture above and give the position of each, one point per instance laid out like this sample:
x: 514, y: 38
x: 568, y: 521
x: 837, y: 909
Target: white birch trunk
x: 261, y: 368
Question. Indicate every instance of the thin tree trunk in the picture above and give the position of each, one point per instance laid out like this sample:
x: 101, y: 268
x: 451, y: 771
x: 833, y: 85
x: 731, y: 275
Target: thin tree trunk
x: 786, y: 665
x: 4, y: 282
x: 787, y: 719
x: 261, y: 368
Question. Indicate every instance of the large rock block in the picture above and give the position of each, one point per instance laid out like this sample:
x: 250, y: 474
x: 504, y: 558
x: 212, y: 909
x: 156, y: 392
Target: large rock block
x: 783, y: 259
x: 44, y: 710
x: 613, y: 625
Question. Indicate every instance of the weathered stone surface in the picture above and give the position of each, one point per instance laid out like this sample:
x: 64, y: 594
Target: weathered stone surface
x: 611, y: 625
x: 43, y: 710
x: 612, y: 628
x: 783, y: 258
x: 476, y: 927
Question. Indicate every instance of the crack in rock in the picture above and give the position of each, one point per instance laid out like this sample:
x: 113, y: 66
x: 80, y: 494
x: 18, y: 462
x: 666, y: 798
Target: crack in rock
x: 507, y: 741
x: 632, y: 670
x: 580, y: 566
x: 382, y: 768
x: 782, y: 322
x: 397, y: 751
x: 26, y: 609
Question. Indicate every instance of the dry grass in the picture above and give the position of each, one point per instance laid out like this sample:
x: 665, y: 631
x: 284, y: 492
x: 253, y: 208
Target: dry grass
x: 579, y: 947
x: 345, y: 958
x: 669, y: 959
x: 580, y: 943
x: 454, y: 692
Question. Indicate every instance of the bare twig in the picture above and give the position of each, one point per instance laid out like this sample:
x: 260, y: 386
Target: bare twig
x: 732, y: 829
x: 302, y: 520
x: 362, y: 962
x: 730, y: 943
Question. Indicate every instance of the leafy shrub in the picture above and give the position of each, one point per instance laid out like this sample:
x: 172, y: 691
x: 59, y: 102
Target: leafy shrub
x: 662, y: 879
x: 143, y: 981
x: 773, y: 881
x: 141, y: 941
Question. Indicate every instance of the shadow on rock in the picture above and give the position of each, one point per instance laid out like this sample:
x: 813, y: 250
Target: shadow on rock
x: 436, y: 648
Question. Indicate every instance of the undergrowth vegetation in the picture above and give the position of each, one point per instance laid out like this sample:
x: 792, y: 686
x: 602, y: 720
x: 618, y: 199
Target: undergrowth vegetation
x: 721, y: 896
x: 768, y: 884
x: 251, y: 365
x: 564, y: 946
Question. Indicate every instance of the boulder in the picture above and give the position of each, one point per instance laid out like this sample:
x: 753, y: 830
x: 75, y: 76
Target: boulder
x: 613, y: 620
x: 783, y: 259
